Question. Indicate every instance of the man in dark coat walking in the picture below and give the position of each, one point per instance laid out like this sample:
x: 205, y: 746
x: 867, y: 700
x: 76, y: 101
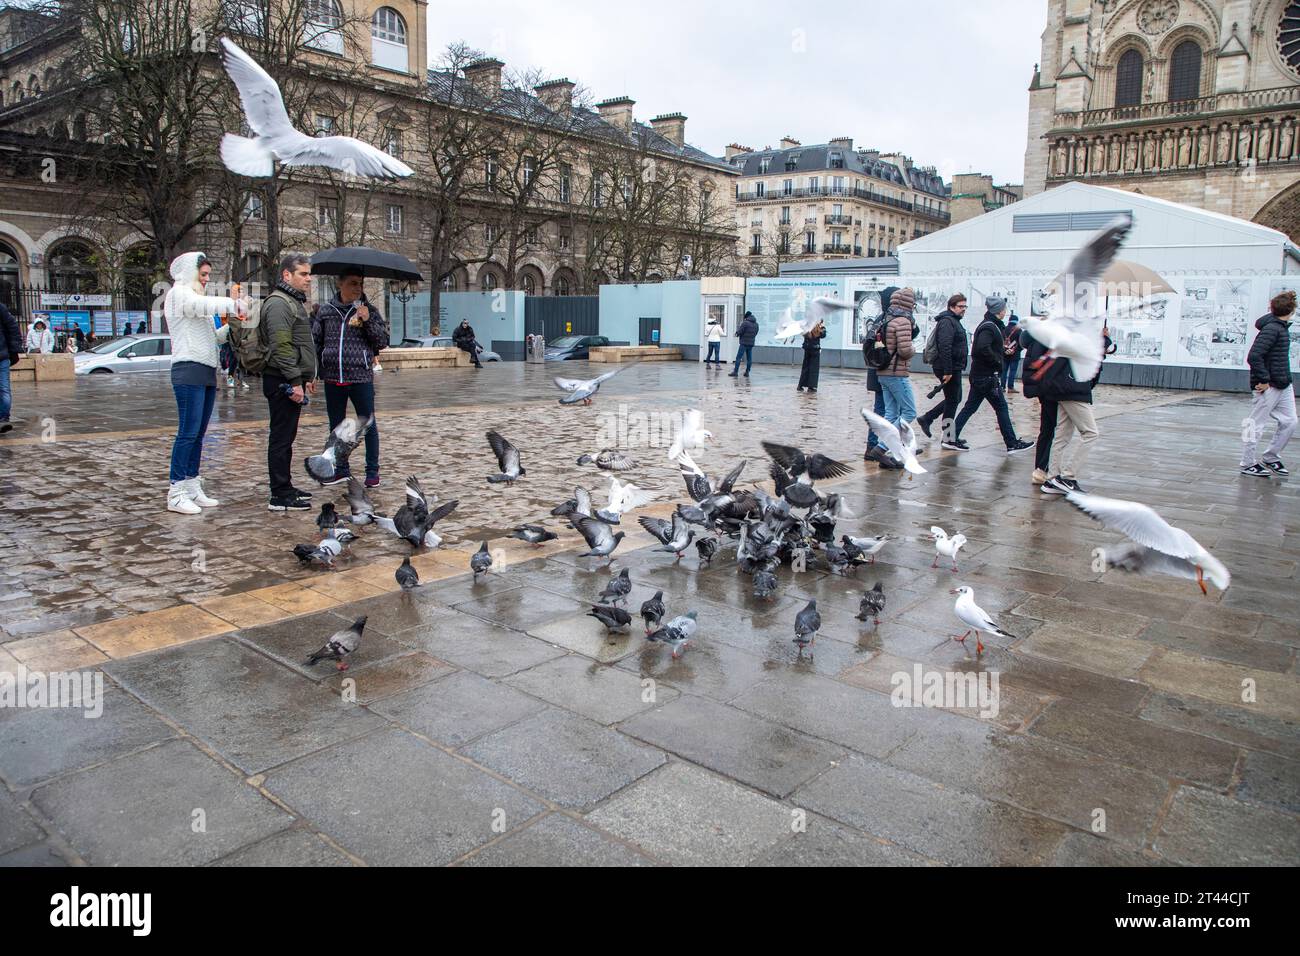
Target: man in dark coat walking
x: 747, y: 333
x: 954, y: 351
x: 986, y: 379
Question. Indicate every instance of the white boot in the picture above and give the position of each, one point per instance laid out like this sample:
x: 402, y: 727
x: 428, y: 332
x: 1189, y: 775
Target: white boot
x: 194, y: 488
x: 178, y: 500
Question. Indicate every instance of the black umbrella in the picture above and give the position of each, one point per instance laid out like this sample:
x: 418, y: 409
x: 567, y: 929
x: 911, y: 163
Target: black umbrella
x: 371, y: 263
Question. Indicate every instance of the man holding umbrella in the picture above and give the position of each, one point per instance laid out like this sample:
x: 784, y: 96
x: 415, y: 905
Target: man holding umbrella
x: 349, y: 332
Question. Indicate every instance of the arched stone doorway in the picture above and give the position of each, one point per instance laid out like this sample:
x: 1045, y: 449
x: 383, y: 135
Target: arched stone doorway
x: 1282, y: 212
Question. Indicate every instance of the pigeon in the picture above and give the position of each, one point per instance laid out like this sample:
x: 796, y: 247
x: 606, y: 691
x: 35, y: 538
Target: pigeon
x: 674, y: 536
x: 872, y: 603
x: 608, y: 460
x: 806, y: 625
x: 802, y: 495
x: 619, y: 587
x: 945, y: 546
x: 358, y: 498
x: 836, y: 558
x: 677, y: 633
x: 764, y: 584
x: 707, y: 548
x: 975, y: 618
x: 481, y: 560
x: 693, y: 515
x: 324, y: 553
x: 582, y: 390
x: 340, y: 645
x: 328, y: 517
x: 815, y: 466
x: 690, y: 436
x: 899, y: 440
x: 276, y: 139
x: 600, y: 537
x: 338, y: 446
x: 1073, y: 331
x: 407, y: 576
x: 415, y: 494
x: 507, y: 460
x: 1157, y: 545
x: 624, y: 498
x: 340, y: 534
x: 818, y: 310
x: 869, y: 547
x: 653, y: 610
x: 420, y: 533
x: 534, y: 534
x: 614, y: 618
x: 823, y: 528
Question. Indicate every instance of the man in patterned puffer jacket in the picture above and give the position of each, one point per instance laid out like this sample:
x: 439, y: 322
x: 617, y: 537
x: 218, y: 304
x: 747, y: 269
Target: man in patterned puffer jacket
x: 349, y: 332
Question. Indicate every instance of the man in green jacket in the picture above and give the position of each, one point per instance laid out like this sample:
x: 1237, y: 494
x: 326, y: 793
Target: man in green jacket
x: 289, y: 375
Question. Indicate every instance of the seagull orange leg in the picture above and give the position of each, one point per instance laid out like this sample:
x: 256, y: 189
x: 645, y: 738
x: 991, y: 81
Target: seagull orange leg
x: 1200, y: 579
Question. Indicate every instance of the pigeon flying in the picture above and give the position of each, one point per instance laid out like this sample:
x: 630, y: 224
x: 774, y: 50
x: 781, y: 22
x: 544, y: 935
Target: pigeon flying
x: 340, y: 444
x: 507, y: 460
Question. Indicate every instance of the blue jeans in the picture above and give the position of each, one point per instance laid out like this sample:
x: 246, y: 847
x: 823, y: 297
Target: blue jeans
x: 6, y: 391
x: 991, y: 388
x: 1009, y: 369
x: 879, y: 408
x: 193, y: 411
x: 363, y: 400
x: 900, y: 406
x: 747, y: 353
x: 715, y: 353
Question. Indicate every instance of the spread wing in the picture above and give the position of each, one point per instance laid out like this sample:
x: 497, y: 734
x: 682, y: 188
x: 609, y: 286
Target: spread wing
x: 258, y: 92
x: 1088, y: 265
x: 885, y: 429
x: 819, y: 467
x: 342, y: 153
x: 783, y: 455
x: 729, y: 481
x: 658, y: 527
x: 1138, y: 523
x: 820, y: 309
x: 571, y: 384
x: 507, y: 454
x: 595, y: 532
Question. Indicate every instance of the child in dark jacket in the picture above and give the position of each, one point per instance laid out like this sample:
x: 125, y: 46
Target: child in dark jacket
x: 1274, y: 395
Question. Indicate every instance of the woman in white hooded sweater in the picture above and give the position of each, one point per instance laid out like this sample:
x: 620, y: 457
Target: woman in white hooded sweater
x: 191, y: 320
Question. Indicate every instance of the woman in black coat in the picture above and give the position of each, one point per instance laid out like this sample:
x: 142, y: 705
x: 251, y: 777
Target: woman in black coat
x: 812, y: 358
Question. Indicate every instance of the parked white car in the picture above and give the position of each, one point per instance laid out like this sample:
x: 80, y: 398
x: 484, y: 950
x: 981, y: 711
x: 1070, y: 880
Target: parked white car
x: 134, y: 353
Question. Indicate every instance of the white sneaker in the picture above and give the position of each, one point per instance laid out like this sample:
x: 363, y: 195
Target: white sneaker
x: 230, y: 381
x: 194, y: 488
x: 178, y: 499
x: 243, y: 385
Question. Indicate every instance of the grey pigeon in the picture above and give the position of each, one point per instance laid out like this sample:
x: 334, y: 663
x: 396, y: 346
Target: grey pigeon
x: 358, y: 498
x: 481, y: 560
x: 583, y: 390
x: 600, y: 537
x: 340, y: 444
x: 341, y: 644
x: 507, y: 460
x: 614, y: 618
x: 815, y: 466
x: 836, y: 558
x: 869, y: 547
x: 418, y: 532
x: 675, y: 536
x: 806, y: 625
x: 534, y: 534
x: 608, y: 460
x: 328, y: 517
x: 343, y: 536
x: 764, y: 584
x: 677, y: 633
x: 653, y: 610
x: 323, y: 553
x: 707, y: 548
x: 802, y: 496
x: 873, y: 602
x: 407, y: 576
x: 619, y: 587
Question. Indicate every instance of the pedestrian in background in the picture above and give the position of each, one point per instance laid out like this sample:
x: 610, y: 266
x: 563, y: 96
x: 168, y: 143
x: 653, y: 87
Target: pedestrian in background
x: 1011, y: 354
x: 714, y: 336
x: 11, y: 346
x: 875, y: 450
x: 895, y: 378
x: 290, y: 373
x: 949, y: 365
x: 746, y: 333
x: 40, y: 338
x: 812, y: 358
x: 1274, y: 396
x: 986, y: 379
x: 1066, y: 421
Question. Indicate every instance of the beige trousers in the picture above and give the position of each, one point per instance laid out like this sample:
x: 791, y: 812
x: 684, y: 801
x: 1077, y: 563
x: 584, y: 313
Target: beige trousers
x: 1076, y: 428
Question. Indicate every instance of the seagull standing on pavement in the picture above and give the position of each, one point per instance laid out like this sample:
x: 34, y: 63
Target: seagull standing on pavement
x: 945, y: 546
x: 869, y: 547
x: 975, y: 618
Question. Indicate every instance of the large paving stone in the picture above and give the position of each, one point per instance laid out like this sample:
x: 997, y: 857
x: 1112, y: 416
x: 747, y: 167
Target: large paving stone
x: 293, y: 641
x: 1225, y: 647
x: 393, y: 676
x: 567, y: 759
x: 605, y: 694
x: 753, y: 750
x: 17, y: 829
x: 1209, y: 829
x: 523, y: 609
x: 584, y: 634
x: 825, y: 843
x: 250, y: 709
x: 38, y: 743
x: 710, y: 670
x: 296, y: 847
x: 1271, y: 781
x: 1277, y: 695
x: 1085, y: 849
x: 934, y: 821
x: 1138, y: 743
x: 477, y: 645
x: 43, y: 854
x: 557, y: 840
x: 458, y: 709
x: 140, y: 810
x: 393, y: 800
x: 687, y: 816
x: 1235, y: 724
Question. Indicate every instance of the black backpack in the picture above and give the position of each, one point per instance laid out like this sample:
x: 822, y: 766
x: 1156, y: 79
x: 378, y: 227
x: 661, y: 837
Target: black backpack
x: 873, y: 347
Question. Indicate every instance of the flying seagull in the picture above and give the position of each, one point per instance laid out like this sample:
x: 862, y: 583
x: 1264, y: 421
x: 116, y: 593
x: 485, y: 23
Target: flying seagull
x: 340, y: 645
x: 277, y: 139
x: 900, y: 440
x: 975, y: 618
x: 1157, y: 545
x: 690, y: 436
x: 818, y: 310
x: 582, y: 390
x: 1075, y: 333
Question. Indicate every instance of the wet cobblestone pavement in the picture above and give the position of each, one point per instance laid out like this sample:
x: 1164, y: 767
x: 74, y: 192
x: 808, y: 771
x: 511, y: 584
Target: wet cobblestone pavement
x: 493, y: 723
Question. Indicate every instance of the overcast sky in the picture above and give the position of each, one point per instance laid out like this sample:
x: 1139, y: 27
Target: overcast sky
x: 944, y: 81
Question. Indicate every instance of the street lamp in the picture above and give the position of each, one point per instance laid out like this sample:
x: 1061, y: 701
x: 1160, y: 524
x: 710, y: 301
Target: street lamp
x: 403, y: 295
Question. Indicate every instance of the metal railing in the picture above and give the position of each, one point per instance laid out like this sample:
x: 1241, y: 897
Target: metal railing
x: 1217, y: 103
x: 839, y: 220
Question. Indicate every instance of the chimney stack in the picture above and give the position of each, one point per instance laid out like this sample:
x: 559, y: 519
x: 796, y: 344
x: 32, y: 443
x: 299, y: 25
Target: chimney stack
x: 789, y: 142
x: 735, y: 149
x: 556, y: 95
x: 485, y: 75
x: 617, y: 112
x: 843, y: 142
x: 671, y: 126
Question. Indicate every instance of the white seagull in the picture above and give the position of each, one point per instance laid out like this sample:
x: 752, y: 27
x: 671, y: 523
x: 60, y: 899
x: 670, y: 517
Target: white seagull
x: 900, y: 441
x: 625, y: 497
x: 690, y: 436
x: 818, y: 310
x: 975, y: 618
x: 1157, y: 545
x: 277, y: 139
x: 1075, y: 333
x: 870, y: 546
x: 945, y: 546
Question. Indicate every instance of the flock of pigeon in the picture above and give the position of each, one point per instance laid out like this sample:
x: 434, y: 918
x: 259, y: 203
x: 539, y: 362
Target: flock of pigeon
x: 792, y: 524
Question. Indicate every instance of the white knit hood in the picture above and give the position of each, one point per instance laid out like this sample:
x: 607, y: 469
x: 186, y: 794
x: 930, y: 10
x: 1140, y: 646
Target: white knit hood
x: 191, y: 314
